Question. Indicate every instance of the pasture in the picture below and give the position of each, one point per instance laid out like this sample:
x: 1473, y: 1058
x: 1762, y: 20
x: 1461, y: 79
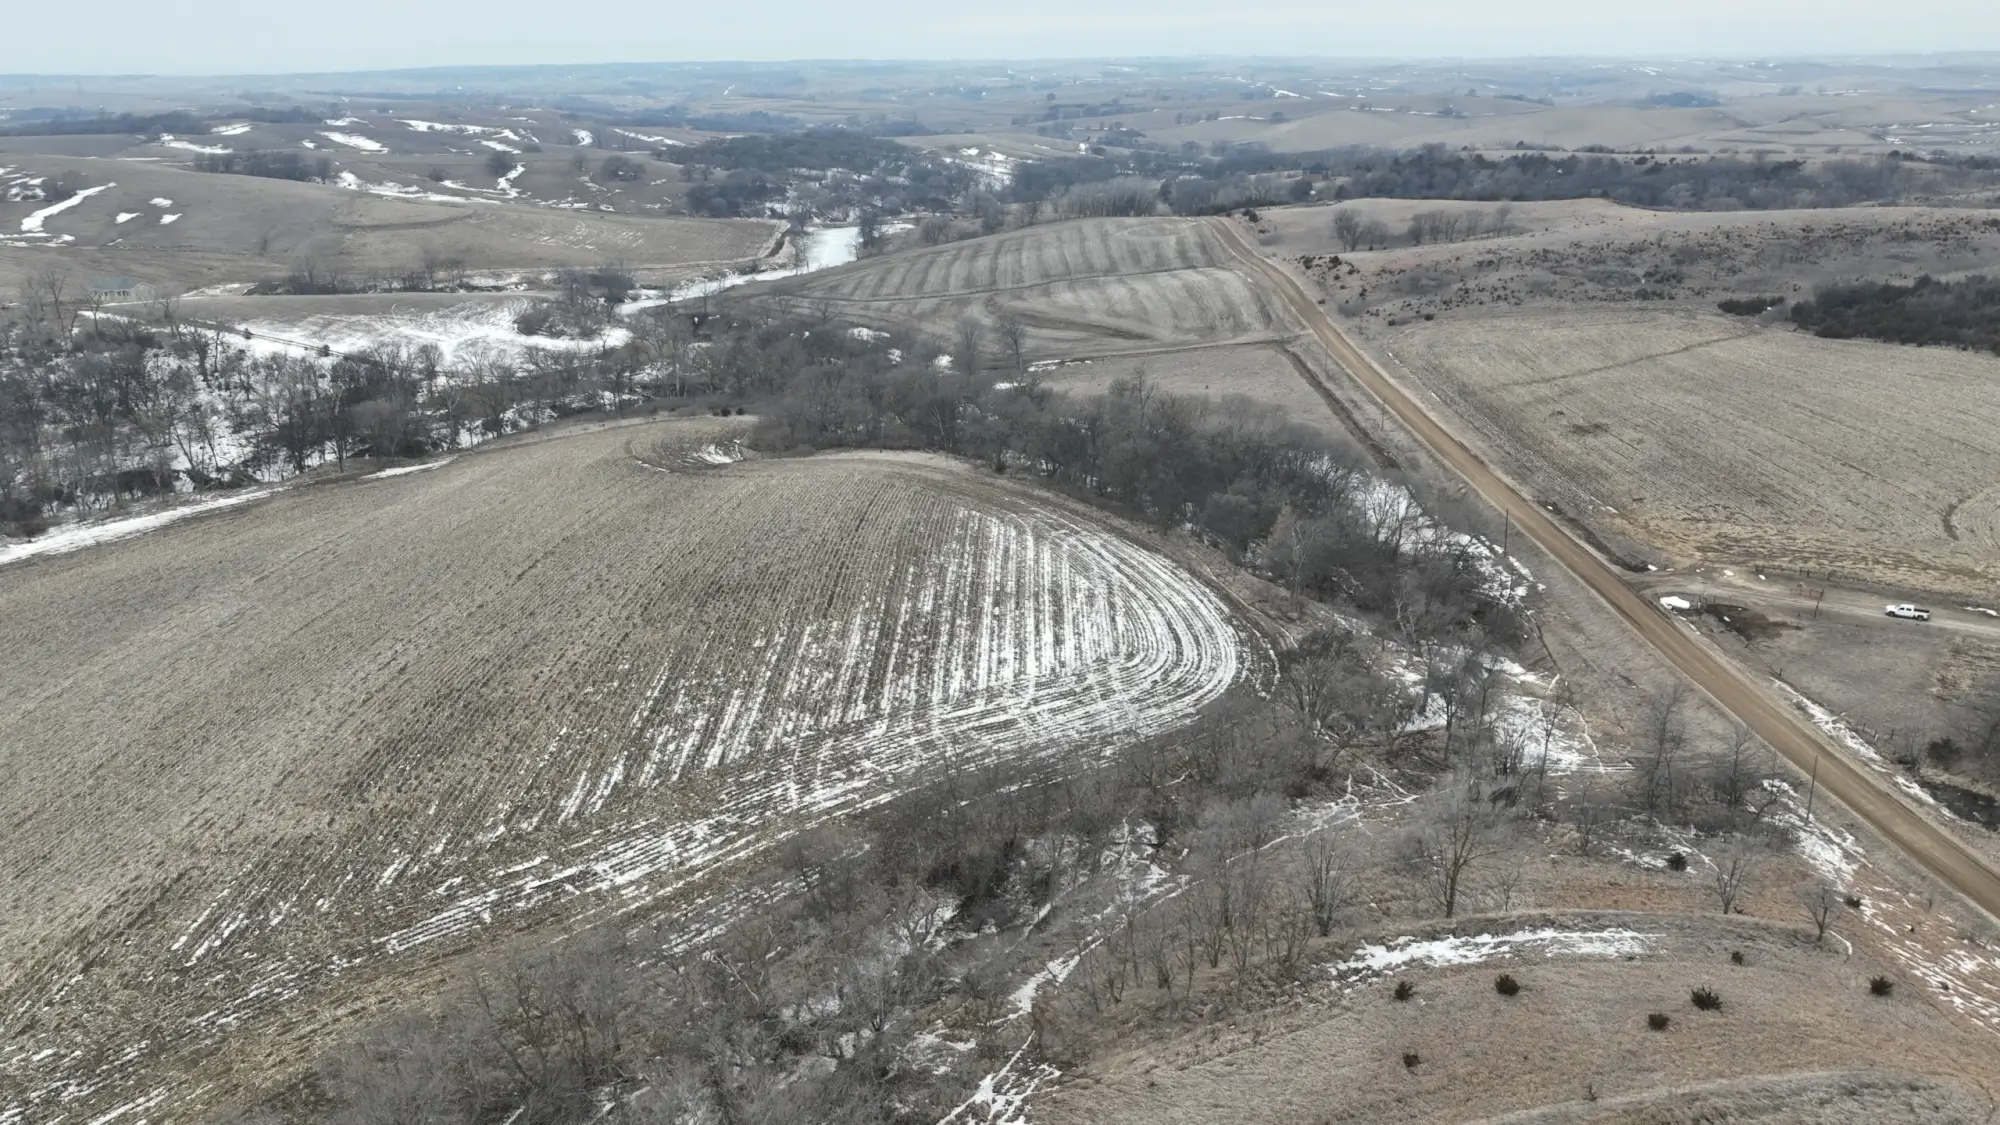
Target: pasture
x: 1719, y: 440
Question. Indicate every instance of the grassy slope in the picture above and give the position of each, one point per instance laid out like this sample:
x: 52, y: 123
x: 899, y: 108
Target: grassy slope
x: 1576, y: 1029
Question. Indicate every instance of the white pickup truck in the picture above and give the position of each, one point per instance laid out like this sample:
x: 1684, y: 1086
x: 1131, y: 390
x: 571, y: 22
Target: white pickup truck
x: 1905, y: 609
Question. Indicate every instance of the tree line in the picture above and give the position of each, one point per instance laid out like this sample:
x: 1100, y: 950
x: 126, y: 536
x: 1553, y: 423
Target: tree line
x: 97, y: 412
x: 271, y: 165
x: 1959, y: 314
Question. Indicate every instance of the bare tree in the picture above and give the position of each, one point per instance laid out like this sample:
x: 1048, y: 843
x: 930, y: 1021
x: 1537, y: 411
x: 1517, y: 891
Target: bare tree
x: 1347, y: 228
x: 1819, y: 900
x: 1325, y: 878
x: 1013, y: 333
x: 45, y: 293
x: 970, y: 342
x: 1457, y: 826
x: 1733, y: 862
x: 1661, y: 737
x: 1735, y: 779
x: 1591, y: 814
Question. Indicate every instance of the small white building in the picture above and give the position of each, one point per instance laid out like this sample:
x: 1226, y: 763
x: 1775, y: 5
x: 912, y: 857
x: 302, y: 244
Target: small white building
x: 111, y: 289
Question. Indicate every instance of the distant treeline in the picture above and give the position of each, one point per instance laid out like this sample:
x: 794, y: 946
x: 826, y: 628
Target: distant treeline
x: 814, y: 148
x: 1722, y: 183
x: 289, y: 115
x: 69, y: 126
x: 1247, y: 478
x: 271, y: 165
x: 678, y: 117
x: 1961, y: 314
x: 844, y: 170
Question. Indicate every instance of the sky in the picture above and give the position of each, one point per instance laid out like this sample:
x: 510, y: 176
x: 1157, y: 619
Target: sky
x: 238, y: 37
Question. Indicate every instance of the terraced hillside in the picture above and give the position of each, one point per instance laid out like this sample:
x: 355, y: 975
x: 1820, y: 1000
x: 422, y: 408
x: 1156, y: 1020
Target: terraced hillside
x: 1090, y: 285
x: 317, y: 742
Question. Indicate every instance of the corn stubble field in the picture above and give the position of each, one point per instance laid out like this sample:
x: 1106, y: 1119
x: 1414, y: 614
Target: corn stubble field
x: 1082, y: 287
x: 1717, y: 439
x: 321, y: 742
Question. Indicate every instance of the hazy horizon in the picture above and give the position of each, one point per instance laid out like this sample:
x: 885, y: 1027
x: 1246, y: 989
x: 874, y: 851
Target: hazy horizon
x: 229, y: 38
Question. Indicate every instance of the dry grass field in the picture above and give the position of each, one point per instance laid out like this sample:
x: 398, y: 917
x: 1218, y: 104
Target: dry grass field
x: 1873, y: 122
x: 1573, y: 1045
x: 1263, y: 373
x: 315, y: 744
x: 1718, y: 440
x: 1082, y: 287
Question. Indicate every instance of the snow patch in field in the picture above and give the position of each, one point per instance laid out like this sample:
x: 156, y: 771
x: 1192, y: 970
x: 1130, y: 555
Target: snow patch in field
x: 33, y: 223
x: 232, y: 130
x: 821, y: 249
x: 165, y: 219
x: 353, y: 140
x: 498, y: 146
x: 995, y: 170
x: 406, y: 470
x: 1374, y: 960
x: 161, y: 201
x: 168, y: 140
x: 1055, y: 972
x: 339, y: 121
x: 1834, y: 853
x: 127, y: 216
x: 650, y: 139
x: 716, y: 455
x: 583, y: 136
x: 476, y: 328
x: 1674, y: 601
x: 467, y: 130
x: 75, y: 538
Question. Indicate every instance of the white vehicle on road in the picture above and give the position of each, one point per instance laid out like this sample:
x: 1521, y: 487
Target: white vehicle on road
x: 1905, y: 609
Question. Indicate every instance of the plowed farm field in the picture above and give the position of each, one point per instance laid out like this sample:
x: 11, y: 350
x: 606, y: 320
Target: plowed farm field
x: 1081, y: 287
x: 265, y: 767
x: 1718, y: 440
